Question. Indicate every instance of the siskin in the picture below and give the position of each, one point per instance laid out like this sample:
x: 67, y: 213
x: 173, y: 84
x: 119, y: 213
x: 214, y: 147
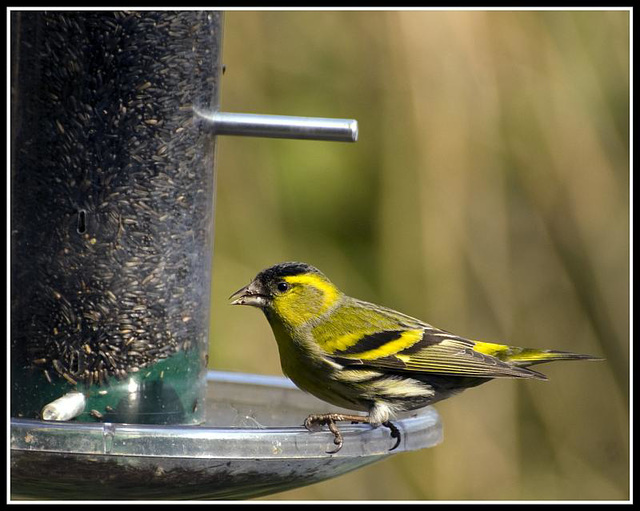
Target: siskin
x: 369, y: 358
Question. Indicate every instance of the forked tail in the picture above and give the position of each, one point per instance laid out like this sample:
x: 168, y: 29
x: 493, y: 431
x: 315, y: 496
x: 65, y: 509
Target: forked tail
x: 525, y: 357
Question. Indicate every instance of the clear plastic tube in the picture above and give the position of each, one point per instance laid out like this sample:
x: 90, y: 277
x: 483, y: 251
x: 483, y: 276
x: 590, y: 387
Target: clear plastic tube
x: 112, y: 201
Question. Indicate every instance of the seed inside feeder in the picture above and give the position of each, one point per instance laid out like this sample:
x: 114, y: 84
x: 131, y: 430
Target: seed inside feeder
x: 112, y: 190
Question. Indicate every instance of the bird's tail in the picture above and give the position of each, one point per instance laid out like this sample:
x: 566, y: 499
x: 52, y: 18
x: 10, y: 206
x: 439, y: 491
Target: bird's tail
x: 525, y: 357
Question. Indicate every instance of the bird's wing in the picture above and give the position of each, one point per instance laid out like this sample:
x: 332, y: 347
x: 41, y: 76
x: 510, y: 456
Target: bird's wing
x: 424, y: 350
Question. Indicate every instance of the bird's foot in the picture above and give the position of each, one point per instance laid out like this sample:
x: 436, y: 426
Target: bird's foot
x: 329, y: 419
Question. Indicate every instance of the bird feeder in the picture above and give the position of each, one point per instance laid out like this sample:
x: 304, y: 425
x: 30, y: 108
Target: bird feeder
x: 114, y: 120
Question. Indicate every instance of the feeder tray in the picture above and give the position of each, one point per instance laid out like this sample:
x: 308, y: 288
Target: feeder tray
x: 243, y: 450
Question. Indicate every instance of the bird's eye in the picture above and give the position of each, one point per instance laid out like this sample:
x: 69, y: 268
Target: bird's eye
x: 282, y: 286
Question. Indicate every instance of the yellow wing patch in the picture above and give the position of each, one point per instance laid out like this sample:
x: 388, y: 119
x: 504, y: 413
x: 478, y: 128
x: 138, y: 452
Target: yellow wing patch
x: 451, y: 357
x: 407, y: 339
x: 340, y: 343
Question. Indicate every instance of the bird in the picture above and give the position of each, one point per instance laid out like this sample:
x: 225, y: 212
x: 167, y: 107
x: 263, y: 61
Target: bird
x: 369, y: 358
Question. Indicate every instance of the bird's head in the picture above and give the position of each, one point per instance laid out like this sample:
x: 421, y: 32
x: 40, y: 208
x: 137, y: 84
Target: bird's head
x: 293, y: 292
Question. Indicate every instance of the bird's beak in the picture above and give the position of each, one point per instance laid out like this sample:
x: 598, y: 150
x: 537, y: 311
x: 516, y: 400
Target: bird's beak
x: 253, y: 295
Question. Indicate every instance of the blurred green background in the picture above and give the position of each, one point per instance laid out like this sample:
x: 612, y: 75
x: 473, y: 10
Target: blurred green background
x: 488, y: 194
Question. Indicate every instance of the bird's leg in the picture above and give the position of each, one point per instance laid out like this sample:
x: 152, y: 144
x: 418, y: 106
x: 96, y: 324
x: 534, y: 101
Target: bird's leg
x: 330, y: 419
